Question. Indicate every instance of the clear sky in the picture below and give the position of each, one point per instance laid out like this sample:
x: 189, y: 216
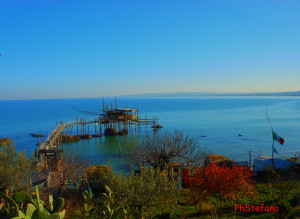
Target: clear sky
x: 75, y: 49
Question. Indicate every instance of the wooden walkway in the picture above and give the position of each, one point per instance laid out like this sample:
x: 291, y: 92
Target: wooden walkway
x: 52, y: 138
x: 49, y: 143
x: 54, y: 180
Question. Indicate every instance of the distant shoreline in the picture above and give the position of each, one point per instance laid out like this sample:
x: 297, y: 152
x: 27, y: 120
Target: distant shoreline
x: 214, y: 94
x: 178, y: 94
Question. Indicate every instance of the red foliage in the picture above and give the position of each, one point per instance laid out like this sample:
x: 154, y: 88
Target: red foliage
x: 222, y: 180
x: 186, y: 179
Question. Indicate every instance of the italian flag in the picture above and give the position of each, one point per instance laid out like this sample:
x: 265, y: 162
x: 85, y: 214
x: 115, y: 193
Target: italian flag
x: 278, y: 138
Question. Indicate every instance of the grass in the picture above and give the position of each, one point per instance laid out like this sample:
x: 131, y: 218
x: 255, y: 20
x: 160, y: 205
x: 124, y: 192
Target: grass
x: 269, y: 194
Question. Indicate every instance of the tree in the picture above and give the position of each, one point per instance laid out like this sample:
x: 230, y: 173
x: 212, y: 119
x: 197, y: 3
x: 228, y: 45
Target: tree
x: 221, y: 182
x: 73, y: 169
x: 142, y: 192
x: 161, y: 150
x: 15, y: 169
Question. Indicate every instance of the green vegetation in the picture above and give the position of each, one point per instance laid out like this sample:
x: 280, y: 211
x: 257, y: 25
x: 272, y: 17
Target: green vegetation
x: 15, y: 169
x: 143, y: 193
x: 152, y: 195
x: 36, y: 210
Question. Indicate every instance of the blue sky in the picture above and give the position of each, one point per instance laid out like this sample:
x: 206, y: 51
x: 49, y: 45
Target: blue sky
x: 75, y: 49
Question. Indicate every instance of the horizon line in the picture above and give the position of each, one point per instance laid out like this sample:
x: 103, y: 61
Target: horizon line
x: 212, y: 93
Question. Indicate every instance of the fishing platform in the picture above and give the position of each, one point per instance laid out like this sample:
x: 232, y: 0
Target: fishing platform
x: 113, y: 120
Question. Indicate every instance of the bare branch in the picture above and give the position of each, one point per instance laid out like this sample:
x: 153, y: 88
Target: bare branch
x: 163, y: 149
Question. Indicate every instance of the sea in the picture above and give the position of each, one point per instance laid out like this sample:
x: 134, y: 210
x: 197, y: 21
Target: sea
x: 230, y: 126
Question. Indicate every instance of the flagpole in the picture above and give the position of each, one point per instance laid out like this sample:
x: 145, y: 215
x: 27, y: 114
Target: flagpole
x: 272, y: 139
x: 273, y: 151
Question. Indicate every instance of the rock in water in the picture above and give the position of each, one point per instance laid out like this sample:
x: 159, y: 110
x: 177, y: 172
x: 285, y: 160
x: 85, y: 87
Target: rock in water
x: 123, y: 132
x: 110, y: 132
x: 71, y: 138
x: 97, y: 135
x: 157, y: 126
x: 86, y: 136
x: 36, y: 135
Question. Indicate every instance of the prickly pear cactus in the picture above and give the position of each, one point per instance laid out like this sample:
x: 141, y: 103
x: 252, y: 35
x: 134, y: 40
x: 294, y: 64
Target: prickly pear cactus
x: 39, y: 214
x: 62, y: 214
x: 13, y: 212
x: 30, y: 210
x: 13, y: 207
x: 58, y: 205
x: 51, y: 202
x: 8, y: 200
x: 23, y: 197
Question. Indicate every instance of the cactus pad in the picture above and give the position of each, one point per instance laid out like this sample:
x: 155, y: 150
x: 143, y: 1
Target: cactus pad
x: 23, y: 197
x: 58, y: 205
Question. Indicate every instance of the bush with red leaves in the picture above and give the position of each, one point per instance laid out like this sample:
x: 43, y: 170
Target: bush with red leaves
x: 221, y: 181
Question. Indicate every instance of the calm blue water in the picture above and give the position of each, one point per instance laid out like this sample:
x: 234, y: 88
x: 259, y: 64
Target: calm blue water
x: 221, y: 119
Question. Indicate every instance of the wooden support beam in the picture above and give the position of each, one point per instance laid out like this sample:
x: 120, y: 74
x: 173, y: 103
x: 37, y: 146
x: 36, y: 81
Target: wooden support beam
x: 51, y: 151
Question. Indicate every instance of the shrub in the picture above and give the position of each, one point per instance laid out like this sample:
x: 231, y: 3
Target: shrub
x: 112, y: 209
x: 98, y: 177
x: 88, y: 209
x: 285, y: 188
x: 206, y: 207
x: 141, y: 193
x: 295, y: 201
x: 285, y: 208
x: 221, y: 182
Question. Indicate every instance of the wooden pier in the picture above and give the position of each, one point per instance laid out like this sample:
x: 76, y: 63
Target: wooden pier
x: 121, y: 120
